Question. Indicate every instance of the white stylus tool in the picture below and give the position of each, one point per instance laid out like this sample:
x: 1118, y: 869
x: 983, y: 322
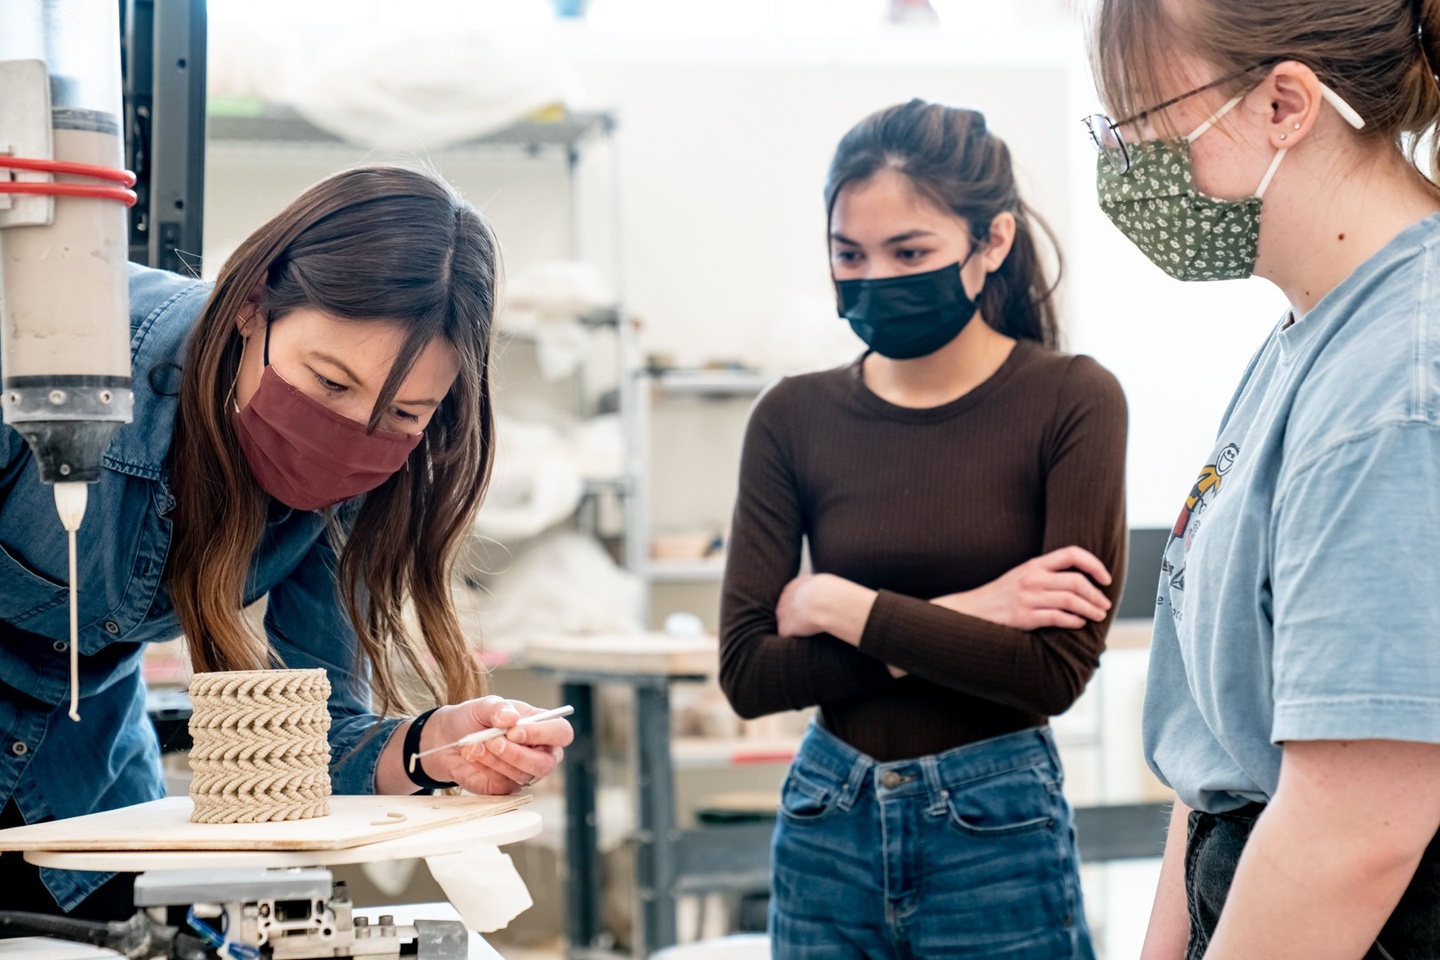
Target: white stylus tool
x: 492, y: 733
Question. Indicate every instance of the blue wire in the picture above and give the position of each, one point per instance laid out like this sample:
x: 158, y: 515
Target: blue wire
x: 216, y: 938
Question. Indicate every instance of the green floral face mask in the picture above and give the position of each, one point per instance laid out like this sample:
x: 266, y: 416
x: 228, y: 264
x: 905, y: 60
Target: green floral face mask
x: 1187, y: 234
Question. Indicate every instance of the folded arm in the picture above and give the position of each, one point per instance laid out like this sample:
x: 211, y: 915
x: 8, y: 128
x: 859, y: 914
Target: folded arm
x: 762, y: 670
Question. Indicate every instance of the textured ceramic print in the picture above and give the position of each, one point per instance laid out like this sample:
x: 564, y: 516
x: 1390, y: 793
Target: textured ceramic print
x: 1185, y: 233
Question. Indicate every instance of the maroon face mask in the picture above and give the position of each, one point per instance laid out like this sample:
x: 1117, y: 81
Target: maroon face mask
x: 306, y: 455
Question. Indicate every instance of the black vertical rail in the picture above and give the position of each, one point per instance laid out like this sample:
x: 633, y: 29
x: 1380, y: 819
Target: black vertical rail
x: 582, y: 883
x: 655, y: 847
x: 137, y: 45
x: 164, y: 56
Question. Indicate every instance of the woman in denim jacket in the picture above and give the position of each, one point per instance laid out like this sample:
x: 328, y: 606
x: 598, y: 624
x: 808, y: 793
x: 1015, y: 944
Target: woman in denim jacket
x: 315, y: 429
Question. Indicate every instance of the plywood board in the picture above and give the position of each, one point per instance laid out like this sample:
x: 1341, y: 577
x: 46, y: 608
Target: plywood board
x: 632, y: 653
x: 165, y: 825
x: 496, y: 831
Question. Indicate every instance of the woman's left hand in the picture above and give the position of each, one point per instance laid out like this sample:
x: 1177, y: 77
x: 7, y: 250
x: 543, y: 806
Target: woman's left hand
x: 823, y: 603
x: 500, y: 766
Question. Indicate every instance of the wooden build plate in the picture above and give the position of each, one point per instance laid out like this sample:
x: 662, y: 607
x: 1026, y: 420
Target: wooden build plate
x: 490, y: 831
x: 165, y: 825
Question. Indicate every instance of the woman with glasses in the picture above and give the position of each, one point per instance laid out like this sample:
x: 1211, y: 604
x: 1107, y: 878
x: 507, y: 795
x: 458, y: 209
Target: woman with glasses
x: 960, y: 488
x: 1294, y: 692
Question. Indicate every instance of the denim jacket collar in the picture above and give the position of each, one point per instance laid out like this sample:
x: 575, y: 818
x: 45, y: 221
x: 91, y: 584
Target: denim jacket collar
x: 141, y: 447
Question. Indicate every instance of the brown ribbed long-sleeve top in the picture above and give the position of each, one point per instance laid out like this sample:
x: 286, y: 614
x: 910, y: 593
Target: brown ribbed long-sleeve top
x: 917, y: 504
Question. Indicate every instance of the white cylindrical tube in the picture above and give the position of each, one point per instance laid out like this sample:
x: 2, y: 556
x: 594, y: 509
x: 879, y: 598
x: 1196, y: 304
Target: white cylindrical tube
x: 64, y: 297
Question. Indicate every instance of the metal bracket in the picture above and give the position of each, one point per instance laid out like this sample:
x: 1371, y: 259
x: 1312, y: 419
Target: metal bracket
x: 25, y: 132
x: 163, y: 888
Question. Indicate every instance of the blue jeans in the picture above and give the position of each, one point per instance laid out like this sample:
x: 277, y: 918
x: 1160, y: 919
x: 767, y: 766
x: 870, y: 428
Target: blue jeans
x: 967, y: 853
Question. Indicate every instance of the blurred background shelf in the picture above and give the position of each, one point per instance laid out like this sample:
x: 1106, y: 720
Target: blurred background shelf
x: 705, y: 570
x: 244, y: 120
x: 702, y: 382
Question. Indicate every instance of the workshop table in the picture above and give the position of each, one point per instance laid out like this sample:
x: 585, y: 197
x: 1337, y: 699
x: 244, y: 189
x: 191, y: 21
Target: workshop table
x: 647, y: 664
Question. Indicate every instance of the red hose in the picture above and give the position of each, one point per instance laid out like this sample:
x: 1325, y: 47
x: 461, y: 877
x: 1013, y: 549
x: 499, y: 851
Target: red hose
x: 65, y: 167
x: 94, y: 191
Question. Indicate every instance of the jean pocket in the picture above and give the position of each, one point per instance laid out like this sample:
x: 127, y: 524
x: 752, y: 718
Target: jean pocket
x: 1007, y: 804
x: 805, y: 797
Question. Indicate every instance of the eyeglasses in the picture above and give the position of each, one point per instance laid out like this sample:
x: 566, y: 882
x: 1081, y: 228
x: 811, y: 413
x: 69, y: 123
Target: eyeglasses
x: 1110, y: 143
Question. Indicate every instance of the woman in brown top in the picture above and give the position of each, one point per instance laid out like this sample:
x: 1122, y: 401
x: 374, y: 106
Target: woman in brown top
x: 960, y: 488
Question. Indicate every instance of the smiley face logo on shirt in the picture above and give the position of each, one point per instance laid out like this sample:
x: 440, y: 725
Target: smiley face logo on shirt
x: 1207, y: 485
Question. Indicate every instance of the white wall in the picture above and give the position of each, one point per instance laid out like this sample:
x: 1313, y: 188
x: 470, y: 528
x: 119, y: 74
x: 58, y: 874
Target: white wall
x: 723, y: 146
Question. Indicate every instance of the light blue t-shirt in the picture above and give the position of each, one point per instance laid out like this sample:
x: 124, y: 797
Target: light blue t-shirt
x: 1300, y: 593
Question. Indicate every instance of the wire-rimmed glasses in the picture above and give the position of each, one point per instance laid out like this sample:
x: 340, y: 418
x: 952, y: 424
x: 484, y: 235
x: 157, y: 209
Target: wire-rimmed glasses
x: 1110, y: 142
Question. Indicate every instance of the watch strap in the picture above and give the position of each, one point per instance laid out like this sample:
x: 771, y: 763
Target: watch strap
x: 416, y: 770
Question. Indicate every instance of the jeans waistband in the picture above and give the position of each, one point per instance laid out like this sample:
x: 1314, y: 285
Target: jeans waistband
x: 823, y: 752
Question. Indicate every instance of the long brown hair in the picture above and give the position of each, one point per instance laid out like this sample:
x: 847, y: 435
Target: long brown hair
x: 1380, y: 56
x: 373, y: 243
x: 951, y: 158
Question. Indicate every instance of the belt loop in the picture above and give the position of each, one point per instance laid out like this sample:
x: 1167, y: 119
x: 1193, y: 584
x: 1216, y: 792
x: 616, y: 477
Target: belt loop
x: 930, y: 770
x: 1047, y: 737
x: 851, y: 790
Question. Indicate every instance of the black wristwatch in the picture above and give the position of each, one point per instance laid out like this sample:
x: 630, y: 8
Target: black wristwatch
x: 414, y: 769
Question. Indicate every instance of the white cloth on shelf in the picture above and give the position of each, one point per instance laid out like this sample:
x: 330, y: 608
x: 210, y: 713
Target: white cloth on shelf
x: 425, y: 86
x: 544, y: 301
x: 561, y: 583
x: 540, y: 473
x: 534, y: 485
x: 430, y: 88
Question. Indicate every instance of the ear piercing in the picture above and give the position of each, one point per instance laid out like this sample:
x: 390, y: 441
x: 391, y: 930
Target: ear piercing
x: 1284, y: 135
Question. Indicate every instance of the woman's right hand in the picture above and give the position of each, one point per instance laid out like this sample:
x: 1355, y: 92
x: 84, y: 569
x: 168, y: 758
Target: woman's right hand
x: 1053, y: 590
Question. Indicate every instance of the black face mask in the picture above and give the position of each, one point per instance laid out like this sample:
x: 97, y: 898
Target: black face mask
x: 907, y: 316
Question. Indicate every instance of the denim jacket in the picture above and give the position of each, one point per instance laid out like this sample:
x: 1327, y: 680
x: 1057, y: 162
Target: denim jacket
x: 53, y: 767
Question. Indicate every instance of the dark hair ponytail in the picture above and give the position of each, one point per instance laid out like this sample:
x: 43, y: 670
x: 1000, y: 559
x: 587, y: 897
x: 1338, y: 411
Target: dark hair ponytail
x: 951, y: 158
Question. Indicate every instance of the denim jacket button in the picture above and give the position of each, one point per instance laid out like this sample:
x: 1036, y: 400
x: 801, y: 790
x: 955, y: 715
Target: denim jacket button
x: 19, y: 748
x: 112, y: 627
x: 60, y: 646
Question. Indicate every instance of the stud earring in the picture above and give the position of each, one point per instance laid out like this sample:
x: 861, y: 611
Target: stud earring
x: 1297, y: 126
x: 1284, y: 135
